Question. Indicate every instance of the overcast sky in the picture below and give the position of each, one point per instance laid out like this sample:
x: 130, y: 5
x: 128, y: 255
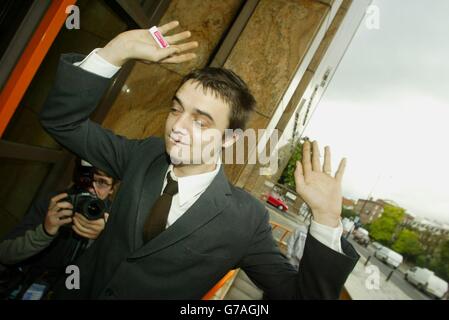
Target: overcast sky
x: 387, y: 109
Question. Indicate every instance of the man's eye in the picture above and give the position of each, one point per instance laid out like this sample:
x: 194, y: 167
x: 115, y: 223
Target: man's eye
x: 175, y: 110
x: 199, y: 123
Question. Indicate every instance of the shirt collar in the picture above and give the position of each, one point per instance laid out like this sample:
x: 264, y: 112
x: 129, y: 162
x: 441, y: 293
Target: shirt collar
x: 191, y: 186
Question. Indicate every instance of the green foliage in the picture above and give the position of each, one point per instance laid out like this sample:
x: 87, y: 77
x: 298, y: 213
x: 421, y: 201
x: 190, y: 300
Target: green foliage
x: 408, y: 244
x: 440, y: 265
x: 348, y: 213
x: 288, y: 175
x: 383, y: 229
x: 422, y: 261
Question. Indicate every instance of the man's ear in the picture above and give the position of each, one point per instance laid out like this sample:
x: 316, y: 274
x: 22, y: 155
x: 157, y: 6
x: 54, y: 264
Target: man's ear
x: 230, y: 137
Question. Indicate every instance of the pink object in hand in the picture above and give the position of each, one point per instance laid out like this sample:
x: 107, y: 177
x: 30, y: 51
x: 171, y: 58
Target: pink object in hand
x: 158, y: 37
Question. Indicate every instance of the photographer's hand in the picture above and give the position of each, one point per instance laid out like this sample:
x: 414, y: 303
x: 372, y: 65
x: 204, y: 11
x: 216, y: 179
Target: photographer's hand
x: 317, y: 187
x: 59, y: 213
x: 140, y: 45
x: 86, y: 228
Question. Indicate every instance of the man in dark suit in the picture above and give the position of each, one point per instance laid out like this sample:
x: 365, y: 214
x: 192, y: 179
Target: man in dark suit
x: 177, y: 225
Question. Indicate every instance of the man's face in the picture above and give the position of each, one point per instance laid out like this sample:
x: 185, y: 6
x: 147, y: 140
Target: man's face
x: 102, y: 185
x: 195, y: 125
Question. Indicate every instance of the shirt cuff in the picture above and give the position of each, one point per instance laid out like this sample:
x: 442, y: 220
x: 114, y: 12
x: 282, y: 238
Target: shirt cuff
x: 96, y: 64
x: 330, y: 237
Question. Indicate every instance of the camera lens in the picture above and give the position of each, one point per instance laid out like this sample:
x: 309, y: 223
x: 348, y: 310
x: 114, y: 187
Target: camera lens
x: 90, y: 206
x: 94, y: 209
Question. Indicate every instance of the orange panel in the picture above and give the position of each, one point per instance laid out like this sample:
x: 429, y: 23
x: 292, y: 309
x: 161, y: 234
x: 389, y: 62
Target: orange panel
x: 31, y: 58
x: 219, y: 284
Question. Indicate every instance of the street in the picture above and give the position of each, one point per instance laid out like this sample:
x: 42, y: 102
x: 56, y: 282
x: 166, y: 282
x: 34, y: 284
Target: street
x: 397, y: 277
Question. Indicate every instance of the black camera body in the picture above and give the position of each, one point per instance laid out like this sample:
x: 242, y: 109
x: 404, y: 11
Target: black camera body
x: 85, y: 203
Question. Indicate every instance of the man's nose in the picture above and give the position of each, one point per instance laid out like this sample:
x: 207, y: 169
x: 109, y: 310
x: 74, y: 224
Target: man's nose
x: 181, y: 126
x: 91, y: 189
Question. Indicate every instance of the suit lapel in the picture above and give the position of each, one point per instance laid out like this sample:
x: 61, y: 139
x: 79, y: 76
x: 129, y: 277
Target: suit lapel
x: 210, y: 204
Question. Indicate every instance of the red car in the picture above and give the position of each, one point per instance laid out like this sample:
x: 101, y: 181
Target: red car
x: 277, y: 202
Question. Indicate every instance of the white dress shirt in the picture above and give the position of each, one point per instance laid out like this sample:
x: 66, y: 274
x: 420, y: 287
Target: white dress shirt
x: 192, y: 187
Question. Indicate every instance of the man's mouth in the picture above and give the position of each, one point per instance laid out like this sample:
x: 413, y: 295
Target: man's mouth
x: 177, y: 140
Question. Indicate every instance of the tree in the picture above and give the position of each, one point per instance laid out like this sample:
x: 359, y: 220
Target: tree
x: 288, y: 175
x: 408, y: 244
x: 440, y: 265
x: 384, y: 228
x: 348, y: 213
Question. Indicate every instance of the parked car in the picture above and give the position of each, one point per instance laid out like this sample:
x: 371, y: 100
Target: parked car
x: 376, y: 245
x: 361, y: 236
x: 390, y: 257
x: 427, y: 281
x: 277, y: 202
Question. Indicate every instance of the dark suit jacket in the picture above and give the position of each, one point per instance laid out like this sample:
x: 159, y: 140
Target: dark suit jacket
x: 226, y: 228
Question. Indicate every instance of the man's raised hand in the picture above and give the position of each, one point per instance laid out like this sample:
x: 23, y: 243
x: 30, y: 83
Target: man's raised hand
x: 140, y: 45
x: 316, y: 185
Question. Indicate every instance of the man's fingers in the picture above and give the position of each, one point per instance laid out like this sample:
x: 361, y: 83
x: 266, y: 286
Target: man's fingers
x: 56, y: 199
x: 327, y: 168
x: 180, y: 58
x: 61, y: 214
x: 299, y: 175
x: 178, y: 37
x: 168, y: 26
x: 316, y: 166
x: 82, y: 228
x: 65, y: 221
x: 341, y: 170
x: 176, y: 57
x: 93, y: 225
x: 88, y: 235
x: 64, y: 205
x: 82, y: 218
x: 162, y: 54
x: 186, y: 46
x: 306, y: 161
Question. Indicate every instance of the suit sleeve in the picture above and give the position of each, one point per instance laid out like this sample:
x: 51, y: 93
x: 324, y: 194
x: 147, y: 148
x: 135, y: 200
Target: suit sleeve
x: 322, y: 271
x: 65, y: 116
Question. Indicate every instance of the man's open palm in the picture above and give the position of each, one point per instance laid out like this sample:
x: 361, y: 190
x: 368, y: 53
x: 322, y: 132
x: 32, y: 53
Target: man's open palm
x: 316, y: 185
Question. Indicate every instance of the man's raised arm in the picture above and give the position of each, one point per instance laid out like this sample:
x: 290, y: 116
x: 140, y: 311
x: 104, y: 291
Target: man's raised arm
x: 79, y: 87
x: 328, y: 259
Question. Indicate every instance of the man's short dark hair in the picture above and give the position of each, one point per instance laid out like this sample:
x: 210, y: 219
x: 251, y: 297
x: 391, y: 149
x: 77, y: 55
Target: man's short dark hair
x: 230, y: 88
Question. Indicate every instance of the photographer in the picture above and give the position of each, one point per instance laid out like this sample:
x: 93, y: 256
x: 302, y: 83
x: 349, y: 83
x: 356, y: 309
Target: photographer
x: 51, y: 236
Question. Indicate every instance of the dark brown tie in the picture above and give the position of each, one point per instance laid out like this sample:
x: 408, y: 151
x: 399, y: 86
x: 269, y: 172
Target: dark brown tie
x: 157, y: 218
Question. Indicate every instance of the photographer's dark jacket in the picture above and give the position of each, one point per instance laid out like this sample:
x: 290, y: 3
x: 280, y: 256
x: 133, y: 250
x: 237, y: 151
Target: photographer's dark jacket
x: 225, y: 228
